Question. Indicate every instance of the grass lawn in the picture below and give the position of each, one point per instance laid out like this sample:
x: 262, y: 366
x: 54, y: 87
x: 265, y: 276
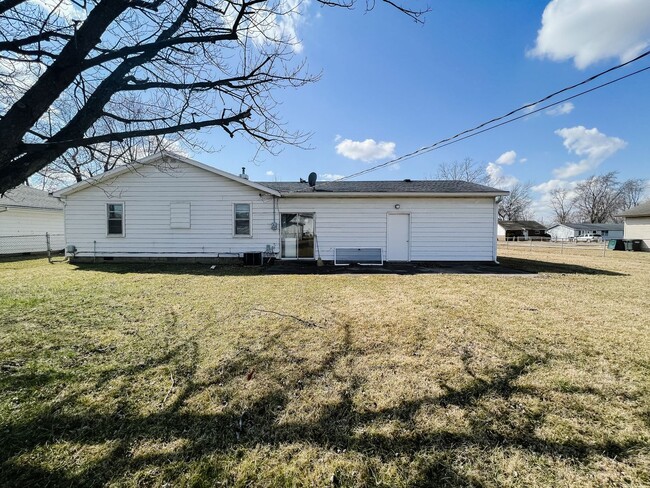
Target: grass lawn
x: 127, y: 375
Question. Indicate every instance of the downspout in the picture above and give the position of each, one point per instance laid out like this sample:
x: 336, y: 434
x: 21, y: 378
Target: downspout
x: 276, y: 226
x: 495, y: 219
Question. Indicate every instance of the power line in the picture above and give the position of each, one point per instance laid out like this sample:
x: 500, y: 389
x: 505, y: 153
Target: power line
x: 449, y: 141
x: 483, y: 127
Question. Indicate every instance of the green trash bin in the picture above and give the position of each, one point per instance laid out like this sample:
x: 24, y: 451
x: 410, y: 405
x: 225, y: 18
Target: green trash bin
x: 629, y: 245
x: 616, y: 245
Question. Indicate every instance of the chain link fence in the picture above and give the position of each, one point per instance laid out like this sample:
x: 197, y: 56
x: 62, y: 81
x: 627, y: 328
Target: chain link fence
x: 560, y: 247
x: 31, y: 244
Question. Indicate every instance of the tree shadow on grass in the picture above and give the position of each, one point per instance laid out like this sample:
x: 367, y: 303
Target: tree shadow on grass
x: 340, y: 426
x: 196, y: 269
x: 508, y: 266
x: 536, y: 266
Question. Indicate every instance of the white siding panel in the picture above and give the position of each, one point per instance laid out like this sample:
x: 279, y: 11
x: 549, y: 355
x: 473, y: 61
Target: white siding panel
x: 441, y: 228
x: 180, y: 215
x: 148, y: 195
x: 31, y: 225
x: 638, y: 228
x: 30, y: 221
x: 561, y: 233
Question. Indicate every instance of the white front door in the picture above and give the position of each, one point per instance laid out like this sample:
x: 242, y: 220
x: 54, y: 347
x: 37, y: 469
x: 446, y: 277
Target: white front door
x: 397, y: 241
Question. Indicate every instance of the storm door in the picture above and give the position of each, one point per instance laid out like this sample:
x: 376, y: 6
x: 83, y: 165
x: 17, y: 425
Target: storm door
x: 297, y: 235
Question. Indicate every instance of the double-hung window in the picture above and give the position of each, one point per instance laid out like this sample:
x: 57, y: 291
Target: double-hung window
x: 242, y: 223
x: 115, y: 219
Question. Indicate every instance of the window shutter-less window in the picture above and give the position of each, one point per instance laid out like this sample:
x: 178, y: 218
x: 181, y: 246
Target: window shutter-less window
x: 242, y: 219
x: 115, y: 219
x: 180, y: 215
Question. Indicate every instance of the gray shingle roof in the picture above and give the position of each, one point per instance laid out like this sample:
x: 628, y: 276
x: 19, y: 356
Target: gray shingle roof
x: 405, y: 186
x: 521, y: 225
x: 642, y: 210
x: 593, y: 227
x: 25, y: 196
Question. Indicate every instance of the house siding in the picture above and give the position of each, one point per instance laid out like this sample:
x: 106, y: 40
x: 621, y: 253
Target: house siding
x: 561, y: 233
x: 441, y: 229
x: 638, y: 228
x: 147, y: 196
x: 32, y: 222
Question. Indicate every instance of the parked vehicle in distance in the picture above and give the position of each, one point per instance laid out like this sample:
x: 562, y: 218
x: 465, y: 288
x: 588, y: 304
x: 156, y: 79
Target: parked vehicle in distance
x: 588, y: 238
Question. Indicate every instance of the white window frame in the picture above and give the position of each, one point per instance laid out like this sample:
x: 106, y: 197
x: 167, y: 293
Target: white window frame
x: 123, y: 234
x: 250, y: 220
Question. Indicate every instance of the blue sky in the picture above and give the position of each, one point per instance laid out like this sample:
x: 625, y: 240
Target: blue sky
x: 403, y: 85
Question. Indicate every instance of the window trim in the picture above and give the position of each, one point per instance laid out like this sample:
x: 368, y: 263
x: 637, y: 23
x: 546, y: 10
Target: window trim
x: 250, y: 220
x: 123, y: 234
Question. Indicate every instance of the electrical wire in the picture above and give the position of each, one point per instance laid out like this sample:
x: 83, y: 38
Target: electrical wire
x: 486, y: 126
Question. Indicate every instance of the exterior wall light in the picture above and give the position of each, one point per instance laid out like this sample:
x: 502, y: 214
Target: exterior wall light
x: 397, y: 206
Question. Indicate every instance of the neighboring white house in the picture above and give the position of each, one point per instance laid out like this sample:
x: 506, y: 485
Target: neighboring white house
x: 520, y: 230
x: 637, y: 224
x: 169, y: 206
x: 26, y: 215
x: 569, y: 231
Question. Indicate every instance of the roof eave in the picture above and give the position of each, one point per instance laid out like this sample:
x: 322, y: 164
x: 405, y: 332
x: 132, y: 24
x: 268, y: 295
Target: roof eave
x: 322, y: 194
x: 153, y: 158
x: 628, y: 216
x: 34, y: 207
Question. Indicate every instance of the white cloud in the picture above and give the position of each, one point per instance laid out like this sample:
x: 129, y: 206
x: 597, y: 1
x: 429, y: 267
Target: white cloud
x: 337, y: 138
x: 278, y: 25
x: 270, y: 173
x: 66, y: 9
x: 330, y: 176
x: 368, y: 150
x: 541, y: 206
x: 550, y: 185
x: 498, y: 178
x: 562, y: 109
x: 523, y: 160
x: 394, y: 167
x: 589, y: 31
x: 590, y: 143
x: 530, y: 109
x: 507, y: 158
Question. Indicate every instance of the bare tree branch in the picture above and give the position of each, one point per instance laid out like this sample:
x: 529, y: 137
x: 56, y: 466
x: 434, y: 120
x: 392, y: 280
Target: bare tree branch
x: 83, y: 78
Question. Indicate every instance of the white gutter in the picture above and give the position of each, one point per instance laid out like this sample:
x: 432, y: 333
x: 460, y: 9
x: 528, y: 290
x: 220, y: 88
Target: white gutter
x: 496, y: 231
x: 318, y: 194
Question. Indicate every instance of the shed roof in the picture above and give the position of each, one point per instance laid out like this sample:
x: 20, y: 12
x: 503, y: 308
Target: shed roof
x: 521, y: 225
x: 27, y: 197
x: 642, y: 210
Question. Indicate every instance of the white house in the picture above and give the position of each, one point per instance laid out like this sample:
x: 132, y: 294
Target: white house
x: 637, y: 224
x: 569, y: 231
x: 520, y: 230
x: 26, y: 215
x: 168, y: 206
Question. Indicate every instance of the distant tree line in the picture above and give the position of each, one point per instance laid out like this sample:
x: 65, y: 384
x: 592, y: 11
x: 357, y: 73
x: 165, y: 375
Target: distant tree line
x: 598, y: 199
x: 515, y: 206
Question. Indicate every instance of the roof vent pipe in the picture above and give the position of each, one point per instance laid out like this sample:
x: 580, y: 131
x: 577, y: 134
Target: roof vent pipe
x: 243, y: 173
